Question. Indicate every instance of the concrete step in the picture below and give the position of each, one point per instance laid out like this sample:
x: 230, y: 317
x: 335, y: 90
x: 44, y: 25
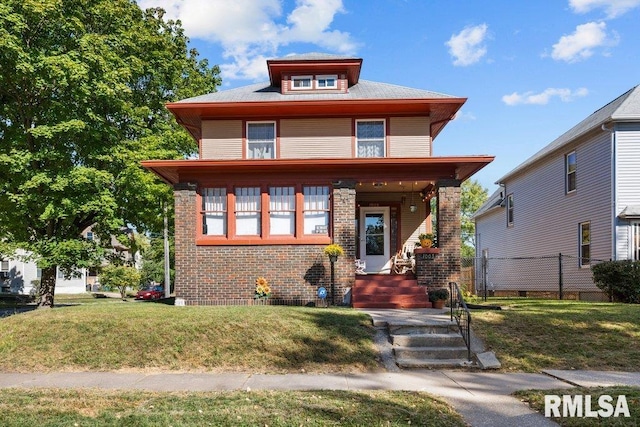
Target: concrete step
x: 428, y: 340
x: 430, y: 352
x: 386, y: 304
x: 432, y: 363
x: 387, y: 290
x: 444, y: 327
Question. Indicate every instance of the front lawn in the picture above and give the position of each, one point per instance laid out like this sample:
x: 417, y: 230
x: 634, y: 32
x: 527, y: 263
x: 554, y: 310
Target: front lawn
x: 530, y: 335
x: 134, y: 335
x: 54, y: 407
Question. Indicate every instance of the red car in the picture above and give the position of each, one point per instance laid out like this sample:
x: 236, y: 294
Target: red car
x: 151, y: 293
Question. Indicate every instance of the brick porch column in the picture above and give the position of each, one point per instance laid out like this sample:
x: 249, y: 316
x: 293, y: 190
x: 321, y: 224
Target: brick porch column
x: 438, y: 271
x: 344, y: 234
x: 185, y: 286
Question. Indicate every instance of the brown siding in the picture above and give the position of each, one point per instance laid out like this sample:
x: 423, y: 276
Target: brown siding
x: 221, y: 139
x: 315, y: 138
x: 409, y: 137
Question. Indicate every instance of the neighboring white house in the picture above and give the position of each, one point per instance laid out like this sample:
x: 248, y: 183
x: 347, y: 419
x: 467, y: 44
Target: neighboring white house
x: 579, y: 196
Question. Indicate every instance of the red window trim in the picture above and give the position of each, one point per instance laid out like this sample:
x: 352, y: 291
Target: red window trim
x: 299, y: 238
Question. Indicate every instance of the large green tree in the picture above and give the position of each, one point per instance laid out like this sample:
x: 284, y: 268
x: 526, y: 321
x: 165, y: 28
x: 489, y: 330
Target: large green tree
x: 472, y: 196
x: 83, y: 84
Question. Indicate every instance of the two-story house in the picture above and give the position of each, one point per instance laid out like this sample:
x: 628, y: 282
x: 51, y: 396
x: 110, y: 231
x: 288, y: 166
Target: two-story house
x: 578, y: 196
x: 315, y: 156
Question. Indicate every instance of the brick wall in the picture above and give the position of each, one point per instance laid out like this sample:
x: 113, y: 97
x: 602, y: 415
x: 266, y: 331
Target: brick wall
x: 225, y: 275
x: 445, y: 267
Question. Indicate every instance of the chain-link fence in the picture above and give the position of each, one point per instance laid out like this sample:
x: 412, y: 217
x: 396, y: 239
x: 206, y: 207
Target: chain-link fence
x: 556, y: 276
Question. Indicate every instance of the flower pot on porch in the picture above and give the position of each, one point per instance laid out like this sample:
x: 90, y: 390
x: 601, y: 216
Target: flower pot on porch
x: 438, y: 304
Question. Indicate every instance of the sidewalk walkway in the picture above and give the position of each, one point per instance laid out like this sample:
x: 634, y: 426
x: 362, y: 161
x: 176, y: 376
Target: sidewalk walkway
x: 482, y: 398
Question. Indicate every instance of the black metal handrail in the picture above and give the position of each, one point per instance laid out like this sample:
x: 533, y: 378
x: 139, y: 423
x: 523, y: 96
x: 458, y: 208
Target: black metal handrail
x: 461, y: 313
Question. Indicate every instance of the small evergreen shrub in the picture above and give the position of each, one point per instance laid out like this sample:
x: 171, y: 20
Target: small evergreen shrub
x: 619, y: 279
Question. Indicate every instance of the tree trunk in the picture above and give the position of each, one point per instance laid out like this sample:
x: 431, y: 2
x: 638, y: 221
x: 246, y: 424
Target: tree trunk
x: 47, y: 287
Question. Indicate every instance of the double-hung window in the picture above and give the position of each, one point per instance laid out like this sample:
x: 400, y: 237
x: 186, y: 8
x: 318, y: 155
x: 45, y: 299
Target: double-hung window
x: 261, y: 140
x: 214, y: 211
x: 4, y: 266
x: 327, y: 82
x: 509, y: 210
x: 570, y: 169
x: 282, y: 210
x: 585, y: 244
x: 316, y: 210
x: 248, y: 211
x: 370, y: 138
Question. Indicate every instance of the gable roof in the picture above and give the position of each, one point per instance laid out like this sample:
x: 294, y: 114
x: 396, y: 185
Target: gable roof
x: 624, y: 108
x: 495, y: 200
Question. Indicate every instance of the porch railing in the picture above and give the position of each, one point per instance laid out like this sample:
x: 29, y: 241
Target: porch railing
x: 461, y: 313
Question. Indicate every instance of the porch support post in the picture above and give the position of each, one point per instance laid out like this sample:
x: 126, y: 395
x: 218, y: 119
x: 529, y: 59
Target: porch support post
x: 438, y: 271
x: 185, y: 286
x: 344, y: 220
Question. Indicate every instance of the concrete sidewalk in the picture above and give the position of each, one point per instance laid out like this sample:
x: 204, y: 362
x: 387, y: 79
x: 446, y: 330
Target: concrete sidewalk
x: 482, y: 398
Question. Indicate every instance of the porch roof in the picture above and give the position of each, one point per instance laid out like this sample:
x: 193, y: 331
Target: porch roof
x: 352, y: 169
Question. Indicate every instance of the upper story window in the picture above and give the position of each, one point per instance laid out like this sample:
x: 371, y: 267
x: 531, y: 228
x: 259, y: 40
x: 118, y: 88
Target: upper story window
x: 510, y: 210
x: 301, y: 82
x: 261, y: 140
x: 327, y: 82
x: 585, y: 244
x: 89, y: 235
x: 570, y: 169
x: 4, y: 265
x: 370, y: 138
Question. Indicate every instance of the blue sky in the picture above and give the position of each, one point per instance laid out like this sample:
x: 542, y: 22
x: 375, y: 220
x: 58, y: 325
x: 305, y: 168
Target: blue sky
x: 530, y: 69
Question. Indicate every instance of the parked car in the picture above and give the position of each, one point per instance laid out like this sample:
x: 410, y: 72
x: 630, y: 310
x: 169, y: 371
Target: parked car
x: 151, y: 293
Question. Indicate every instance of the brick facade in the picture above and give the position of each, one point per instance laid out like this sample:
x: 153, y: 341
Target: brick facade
x: 438, y: 271
x: 225, y: 275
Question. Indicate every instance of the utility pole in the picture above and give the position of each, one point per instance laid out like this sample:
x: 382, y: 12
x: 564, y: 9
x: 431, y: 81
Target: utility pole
x: 167, y: 268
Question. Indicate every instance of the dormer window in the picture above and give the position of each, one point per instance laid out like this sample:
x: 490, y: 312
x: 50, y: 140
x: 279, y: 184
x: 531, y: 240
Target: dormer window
x: 301, y: 82
x: 327, y: 82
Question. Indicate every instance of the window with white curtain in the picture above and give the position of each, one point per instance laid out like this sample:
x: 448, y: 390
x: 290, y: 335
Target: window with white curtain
x: 214, y: 209
x: 634, y: 242
x: 282, y: 210
x: 370, y: 138
x: 248, y: 211
x: 316, y: 210
x: 261, y: 140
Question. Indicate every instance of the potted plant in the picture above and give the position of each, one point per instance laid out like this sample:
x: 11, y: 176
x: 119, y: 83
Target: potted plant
x: 333, y: 251
x: 438, y: 297
x: 427, y: 240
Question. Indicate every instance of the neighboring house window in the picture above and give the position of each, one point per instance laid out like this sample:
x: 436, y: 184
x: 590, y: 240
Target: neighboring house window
x: 261, y: 140
x: 38, y: 273
x: 301, y: 82
x: 316, y: 210
x: 282, y: 210
x: 4, y: 265
x: 635, y: 241
x: 60, y: 274
x: 585, y: 244
x: 89, y: 235
x: 327, y: 82
x: 510, y: 210
x: 570, y: 167
x: 248, y: 209
x: 370, y: 140
x: 214, y: 209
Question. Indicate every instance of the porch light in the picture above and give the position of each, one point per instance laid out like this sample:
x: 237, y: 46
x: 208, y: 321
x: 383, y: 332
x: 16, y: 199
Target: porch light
x: 413, y: 208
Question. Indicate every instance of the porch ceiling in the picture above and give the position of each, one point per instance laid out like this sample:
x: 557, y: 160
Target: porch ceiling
x: 393, y: 171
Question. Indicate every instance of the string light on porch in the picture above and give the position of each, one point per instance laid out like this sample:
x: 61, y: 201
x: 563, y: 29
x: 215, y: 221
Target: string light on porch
x: 412, y: 207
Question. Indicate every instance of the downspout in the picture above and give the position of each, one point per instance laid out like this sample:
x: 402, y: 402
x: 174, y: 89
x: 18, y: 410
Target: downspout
x: 614, y: 194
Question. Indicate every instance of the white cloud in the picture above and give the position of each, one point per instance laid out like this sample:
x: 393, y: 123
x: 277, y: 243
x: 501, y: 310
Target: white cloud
x: 581, y: 44
x: 467, y: 47
x: 250, y: 31
x: 613, y: 8
x: 543, y: 98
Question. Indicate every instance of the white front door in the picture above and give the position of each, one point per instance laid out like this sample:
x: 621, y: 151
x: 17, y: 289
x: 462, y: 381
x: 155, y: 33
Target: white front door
x: 374, y: 239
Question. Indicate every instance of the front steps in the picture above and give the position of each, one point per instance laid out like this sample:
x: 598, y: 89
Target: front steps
x: 388, y: 291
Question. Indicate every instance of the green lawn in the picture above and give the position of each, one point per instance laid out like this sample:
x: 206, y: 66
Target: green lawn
x: 530, y: 335
x: 53, y: 407
x: 134, y: 335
